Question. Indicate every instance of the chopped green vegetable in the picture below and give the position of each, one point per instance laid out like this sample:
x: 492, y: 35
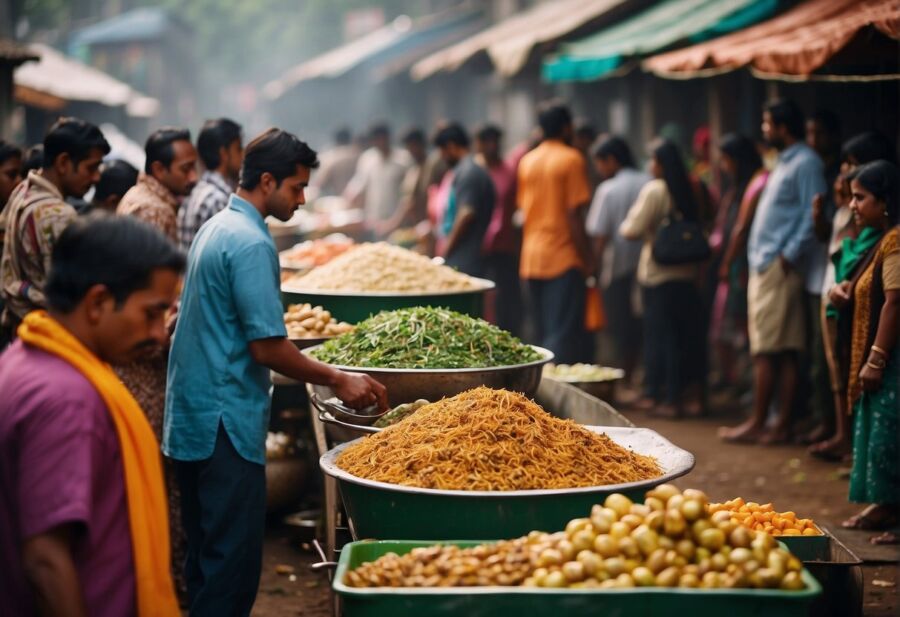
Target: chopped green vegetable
x: 426, y: 338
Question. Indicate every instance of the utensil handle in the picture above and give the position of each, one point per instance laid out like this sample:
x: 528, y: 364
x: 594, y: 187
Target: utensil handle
x: 325, y: 564
x: 327, y: 419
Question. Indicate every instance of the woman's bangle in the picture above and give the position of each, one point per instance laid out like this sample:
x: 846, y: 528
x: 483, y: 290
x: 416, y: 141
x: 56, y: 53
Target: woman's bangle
x: 877, y: 367
x: 879, y: 350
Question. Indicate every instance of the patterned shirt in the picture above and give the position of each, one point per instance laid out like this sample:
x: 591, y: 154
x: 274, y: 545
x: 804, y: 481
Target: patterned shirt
x: 153, y: 203
x: 35, y: 217
x: 208, y: 198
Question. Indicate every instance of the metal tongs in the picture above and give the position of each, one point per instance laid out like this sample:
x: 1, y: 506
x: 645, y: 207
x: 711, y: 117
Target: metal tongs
x: 333, y: 409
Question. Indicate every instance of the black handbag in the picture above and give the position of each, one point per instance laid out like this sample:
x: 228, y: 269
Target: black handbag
x: 679, y: 241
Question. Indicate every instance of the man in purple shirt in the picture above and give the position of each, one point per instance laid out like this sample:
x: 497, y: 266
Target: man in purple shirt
x: 65, y: 537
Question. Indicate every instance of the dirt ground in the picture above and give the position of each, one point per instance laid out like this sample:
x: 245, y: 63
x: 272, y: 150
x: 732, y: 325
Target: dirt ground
x: 782, y: 474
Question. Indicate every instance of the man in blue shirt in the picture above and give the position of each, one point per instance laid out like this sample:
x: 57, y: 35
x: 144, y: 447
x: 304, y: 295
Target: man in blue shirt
x: 781, y: 239
x: 230, y: 334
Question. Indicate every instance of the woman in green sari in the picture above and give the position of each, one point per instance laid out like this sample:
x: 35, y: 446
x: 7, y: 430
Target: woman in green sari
x: 870, y: 268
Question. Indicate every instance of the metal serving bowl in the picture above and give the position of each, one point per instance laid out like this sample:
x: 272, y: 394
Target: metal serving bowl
x: 385, y: 511
x: 407, y: 385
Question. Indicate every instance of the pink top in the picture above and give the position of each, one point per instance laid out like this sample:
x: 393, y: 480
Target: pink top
x: 501, y: 235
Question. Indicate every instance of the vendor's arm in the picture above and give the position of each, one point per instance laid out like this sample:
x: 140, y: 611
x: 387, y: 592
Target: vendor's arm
x: 255, y: 284
x: 354, y: 389
x: 50, y: 569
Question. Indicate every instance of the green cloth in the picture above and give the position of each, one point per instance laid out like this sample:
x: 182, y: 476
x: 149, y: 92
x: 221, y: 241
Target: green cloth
x: 875, y: 477
x: 661, y: 26
x: 853, y: 250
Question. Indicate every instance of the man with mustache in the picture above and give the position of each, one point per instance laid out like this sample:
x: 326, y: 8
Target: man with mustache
x: 37, y: 214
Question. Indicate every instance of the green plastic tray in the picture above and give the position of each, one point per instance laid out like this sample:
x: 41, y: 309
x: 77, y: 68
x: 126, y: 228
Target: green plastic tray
x: 381, y: 510
x: 527, y: 602
x: 354, y: 308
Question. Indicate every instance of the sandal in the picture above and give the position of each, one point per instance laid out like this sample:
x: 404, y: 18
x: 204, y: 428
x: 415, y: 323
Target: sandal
x: 870, y: 519
x: 888, y: 537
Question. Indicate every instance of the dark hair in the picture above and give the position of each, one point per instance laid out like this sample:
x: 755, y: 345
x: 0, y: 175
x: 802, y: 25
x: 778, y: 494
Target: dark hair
x: 615, y: 147
x: 882, y: 179
x: 118, y: 252
x: 380, y: 129
x: 276, y: 152
x: 116, y: 177
x: 8, y: 151
x: 414, y: 136
x: 676, y: 178
x: 489, y: 132
x: 215, y: 134
x: 829, y: 121
x: 33, y: 159
x: 159, y: 146
x: 74, y: 137
x: 586, y: 131
x: 553, y: 118
x: 785, y: 112
x: 746, y: 157
x: 452, y: 134
x: 867, y: 147
x: 343, y: 136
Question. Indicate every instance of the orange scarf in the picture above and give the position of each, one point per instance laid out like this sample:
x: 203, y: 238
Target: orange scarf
x: 147, y: 508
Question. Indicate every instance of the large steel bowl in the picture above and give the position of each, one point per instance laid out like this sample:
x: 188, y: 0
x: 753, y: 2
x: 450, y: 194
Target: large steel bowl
x: 388, y: 511
x: 407, y: 385
x: 354, y: 307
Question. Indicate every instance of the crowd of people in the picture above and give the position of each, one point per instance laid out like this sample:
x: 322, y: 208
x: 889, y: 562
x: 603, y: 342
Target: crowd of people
x: 147, y: 319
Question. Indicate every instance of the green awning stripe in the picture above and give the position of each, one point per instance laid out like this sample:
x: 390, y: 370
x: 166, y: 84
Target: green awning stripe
x: 653, y: 30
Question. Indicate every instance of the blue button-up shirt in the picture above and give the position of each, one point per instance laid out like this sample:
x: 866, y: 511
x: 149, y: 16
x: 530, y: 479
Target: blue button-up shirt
x: 230, y: 297
x: 783, y: 224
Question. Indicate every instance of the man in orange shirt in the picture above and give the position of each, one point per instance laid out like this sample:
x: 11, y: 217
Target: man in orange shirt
x: 556, y: 256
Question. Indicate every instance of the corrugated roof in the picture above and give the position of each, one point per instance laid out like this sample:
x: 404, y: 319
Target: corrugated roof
x: 660, y: 26
x: 142, y: 24
x: 63, y: 77
x: 390, y: 45
x: 509, y: 43
x: 795, y: 43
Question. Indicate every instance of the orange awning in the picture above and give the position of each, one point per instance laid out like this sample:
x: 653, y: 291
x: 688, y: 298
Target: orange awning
x: 795, y: 43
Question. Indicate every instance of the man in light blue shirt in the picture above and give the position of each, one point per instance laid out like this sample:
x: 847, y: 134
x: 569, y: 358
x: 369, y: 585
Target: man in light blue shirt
x: 230, y: 334
x: 781, y: 239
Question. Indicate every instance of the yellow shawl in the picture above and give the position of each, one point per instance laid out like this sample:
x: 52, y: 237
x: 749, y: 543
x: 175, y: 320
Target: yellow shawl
x: 147, y: 508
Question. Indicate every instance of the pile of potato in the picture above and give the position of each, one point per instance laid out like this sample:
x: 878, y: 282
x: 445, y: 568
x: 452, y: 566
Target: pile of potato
x: 307, y: 321
x: 671, y: 540
x: 763, y: 517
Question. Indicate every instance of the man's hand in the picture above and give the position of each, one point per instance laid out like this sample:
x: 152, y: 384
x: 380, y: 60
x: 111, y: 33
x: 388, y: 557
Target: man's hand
x: 839, y: 296
x: 358, y: 391
x: 787, y: 266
